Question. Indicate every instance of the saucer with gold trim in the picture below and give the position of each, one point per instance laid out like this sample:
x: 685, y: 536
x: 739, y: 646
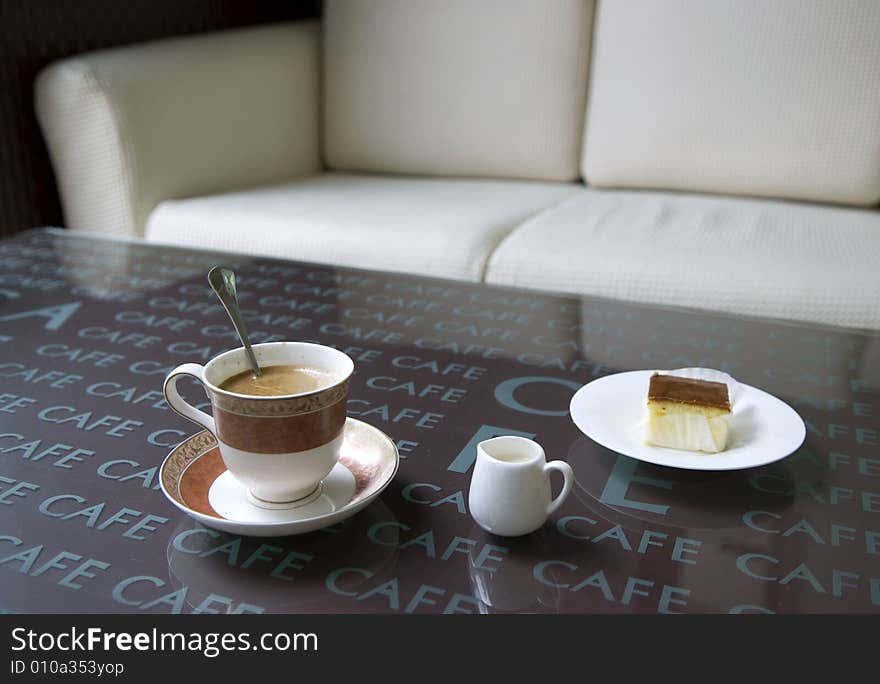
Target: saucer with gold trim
x: 194, y: 479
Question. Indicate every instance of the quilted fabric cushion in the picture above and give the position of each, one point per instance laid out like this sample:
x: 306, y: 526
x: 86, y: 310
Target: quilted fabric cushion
x: 454, y: 87
x: 752, y: 97
x: 758, y: 257
x: 442, y: 227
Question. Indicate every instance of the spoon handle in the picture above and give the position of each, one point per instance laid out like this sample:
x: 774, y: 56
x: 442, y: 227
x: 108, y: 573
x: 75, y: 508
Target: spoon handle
x: 222, y: 280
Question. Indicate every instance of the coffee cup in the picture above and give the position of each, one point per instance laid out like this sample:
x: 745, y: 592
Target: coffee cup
x: 510, y: 487
x: 278, y: 446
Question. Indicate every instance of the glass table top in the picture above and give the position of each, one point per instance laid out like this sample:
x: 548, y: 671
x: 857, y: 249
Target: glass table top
x: 90, y: 327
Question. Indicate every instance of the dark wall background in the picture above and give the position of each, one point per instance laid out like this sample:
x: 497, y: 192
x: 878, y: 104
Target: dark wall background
x: 36, y: 32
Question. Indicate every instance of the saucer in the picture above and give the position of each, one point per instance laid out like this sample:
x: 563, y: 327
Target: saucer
x: 195, y: 479
x: 763, y: 429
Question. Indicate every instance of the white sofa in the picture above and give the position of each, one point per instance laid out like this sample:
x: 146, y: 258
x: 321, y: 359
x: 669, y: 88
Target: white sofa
x: 707, y: 153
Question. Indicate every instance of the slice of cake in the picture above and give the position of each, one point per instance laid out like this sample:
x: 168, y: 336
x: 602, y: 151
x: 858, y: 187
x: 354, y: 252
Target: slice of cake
x: 687, y: 414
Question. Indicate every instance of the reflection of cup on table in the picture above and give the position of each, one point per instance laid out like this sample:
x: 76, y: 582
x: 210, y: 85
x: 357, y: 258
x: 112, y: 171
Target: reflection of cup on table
x: 279, y: 437
x: 510, y: 488
x: 283, y: 579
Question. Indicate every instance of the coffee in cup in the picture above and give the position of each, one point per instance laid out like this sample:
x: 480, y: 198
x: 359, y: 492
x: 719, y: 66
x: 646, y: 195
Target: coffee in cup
x: 279, y: 436
x: 278, y: 380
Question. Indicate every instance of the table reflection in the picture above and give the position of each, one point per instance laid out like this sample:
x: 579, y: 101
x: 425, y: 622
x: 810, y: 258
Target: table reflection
x: 217, y: 572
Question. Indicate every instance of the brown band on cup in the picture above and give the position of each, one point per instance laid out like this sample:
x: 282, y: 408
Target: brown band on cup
x: 275, y: 407
x: 280, y: 434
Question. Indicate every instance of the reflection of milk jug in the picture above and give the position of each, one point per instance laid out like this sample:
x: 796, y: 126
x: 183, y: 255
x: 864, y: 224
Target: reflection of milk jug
x: 510, y: 488
x: 510, y: 586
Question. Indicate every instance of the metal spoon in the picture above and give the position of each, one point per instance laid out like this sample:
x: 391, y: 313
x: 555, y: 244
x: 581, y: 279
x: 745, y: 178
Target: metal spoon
x: 222, y: 280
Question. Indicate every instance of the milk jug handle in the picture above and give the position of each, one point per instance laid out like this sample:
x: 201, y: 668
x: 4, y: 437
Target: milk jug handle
x: 568, y: 480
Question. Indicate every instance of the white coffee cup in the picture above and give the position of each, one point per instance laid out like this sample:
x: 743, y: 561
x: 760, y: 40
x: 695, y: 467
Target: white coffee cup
x: 279, y: 447
x: 510, y: 487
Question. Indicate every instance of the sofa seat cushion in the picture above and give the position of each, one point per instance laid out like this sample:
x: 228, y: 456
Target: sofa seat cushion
x: 766, y: 258
x: 444, y: 228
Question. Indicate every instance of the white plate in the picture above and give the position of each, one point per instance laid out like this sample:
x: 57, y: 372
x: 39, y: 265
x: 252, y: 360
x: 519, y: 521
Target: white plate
x: 611, y: 411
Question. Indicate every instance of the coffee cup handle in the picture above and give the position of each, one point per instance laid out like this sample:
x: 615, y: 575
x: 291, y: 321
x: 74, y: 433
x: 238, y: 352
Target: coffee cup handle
x: 568, y: 480
x: 179, y: 404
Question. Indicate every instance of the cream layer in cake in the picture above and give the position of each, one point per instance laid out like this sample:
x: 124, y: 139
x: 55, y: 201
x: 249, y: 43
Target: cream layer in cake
x: 687, y: 414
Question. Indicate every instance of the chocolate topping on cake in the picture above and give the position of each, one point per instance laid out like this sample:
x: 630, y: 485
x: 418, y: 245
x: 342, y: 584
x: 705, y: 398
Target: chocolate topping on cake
x: 688, y: 391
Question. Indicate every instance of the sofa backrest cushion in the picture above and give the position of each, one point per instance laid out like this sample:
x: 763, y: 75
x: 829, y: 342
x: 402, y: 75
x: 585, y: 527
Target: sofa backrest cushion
x: 456, y: 87
x: 778, y: 98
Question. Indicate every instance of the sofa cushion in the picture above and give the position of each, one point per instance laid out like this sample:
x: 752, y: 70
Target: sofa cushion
x: 454, y: 87
x: 768, y: 258
x: 434, y: 227
x: 751, y: 97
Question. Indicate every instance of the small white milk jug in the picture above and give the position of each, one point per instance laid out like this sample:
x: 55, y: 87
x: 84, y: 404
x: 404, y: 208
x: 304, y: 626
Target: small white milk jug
x: 510, y: 487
